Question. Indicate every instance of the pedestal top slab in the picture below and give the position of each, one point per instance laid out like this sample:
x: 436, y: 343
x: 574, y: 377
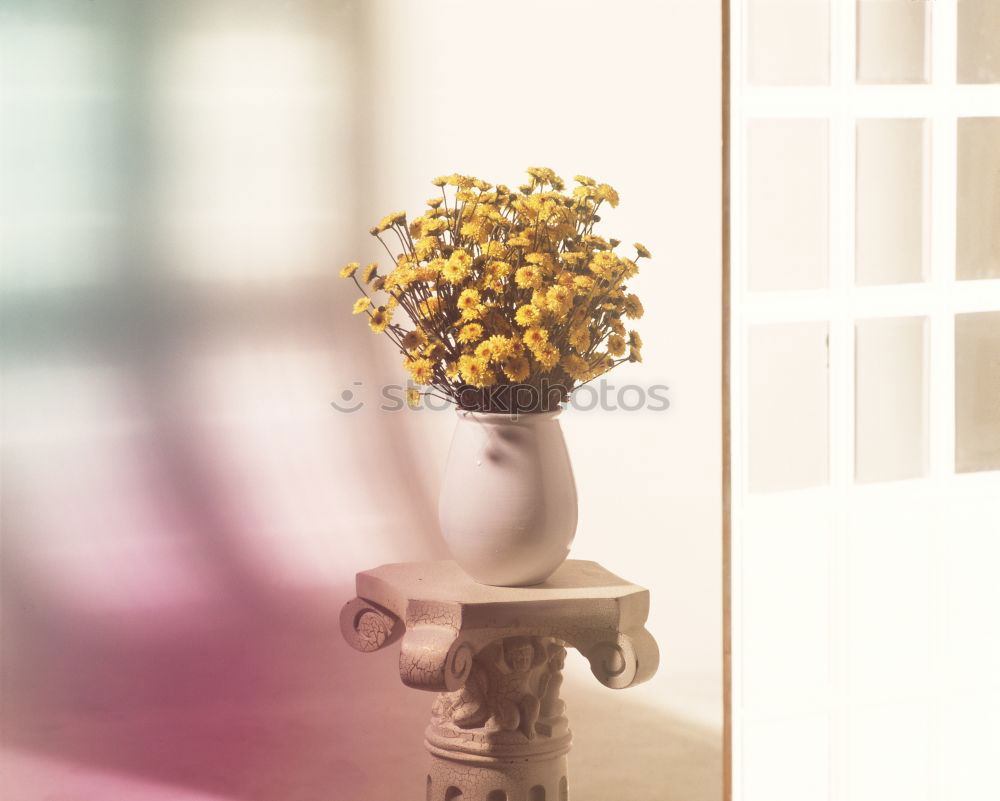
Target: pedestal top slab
x: 445, y: 618
x: 445, y: 581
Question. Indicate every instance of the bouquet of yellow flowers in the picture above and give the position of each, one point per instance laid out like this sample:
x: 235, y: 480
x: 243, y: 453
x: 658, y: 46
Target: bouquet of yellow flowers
x: 512, y: 299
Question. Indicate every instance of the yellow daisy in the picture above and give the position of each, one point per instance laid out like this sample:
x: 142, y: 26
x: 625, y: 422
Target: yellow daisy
x: 397, y: 217
x: 579, y: 337
x: 558, y: 299
x: 535, y: 337
x: 472, y: 332
x: 414, y: 340
x: 469, y: 299
x: 633, y: 307
x: 527, y: 316
x: 420, y: 370
x: 547, y: 355
x: 476, y: 371
x: 516, y: 368
x: 379, y: 320
x: 457, y: 266
x: 528, y: 277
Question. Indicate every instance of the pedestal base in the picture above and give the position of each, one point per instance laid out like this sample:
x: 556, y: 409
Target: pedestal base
x: 450, y: 780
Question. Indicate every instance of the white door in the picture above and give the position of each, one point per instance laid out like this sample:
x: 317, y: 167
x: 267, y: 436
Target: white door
x: 865, y: 352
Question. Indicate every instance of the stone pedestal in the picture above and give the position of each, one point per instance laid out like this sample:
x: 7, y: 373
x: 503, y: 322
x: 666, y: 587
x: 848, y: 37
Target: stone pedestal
x: 494, y: 655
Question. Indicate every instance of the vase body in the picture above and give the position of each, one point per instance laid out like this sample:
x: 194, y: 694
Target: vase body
x: 508, y: 507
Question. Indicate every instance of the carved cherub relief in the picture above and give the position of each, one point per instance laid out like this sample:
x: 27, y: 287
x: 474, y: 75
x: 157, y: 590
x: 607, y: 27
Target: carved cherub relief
x: 512, y: 684
x: 517, y: 694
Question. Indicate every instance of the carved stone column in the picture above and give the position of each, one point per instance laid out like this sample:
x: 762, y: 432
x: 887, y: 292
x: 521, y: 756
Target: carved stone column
x: 495, y: 655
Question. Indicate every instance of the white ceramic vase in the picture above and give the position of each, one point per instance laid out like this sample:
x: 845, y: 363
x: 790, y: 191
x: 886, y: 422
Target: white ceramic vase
x: 508, y: 501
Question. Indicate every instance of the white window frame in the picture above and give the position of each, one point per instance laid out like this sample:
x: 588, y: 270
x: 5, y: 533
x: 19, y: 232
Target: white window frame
x: 941, y: 102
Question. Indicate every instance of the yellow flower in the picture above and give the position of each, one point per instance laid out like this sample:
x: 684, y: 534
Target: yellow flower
x: 379, y: 320
x: 471, y: 332
x: 583, y: 283
x: 534, y: 338
x: 494, y: 274
x: 616, y: 345
x: 558, y: 299
x: 616, y: 325
x: 412, y: 398
x: 469, y: 299
x: 425, y: 246
x: 477, y: 229
x: 349, y: 269
x: 457, y: 266
x: 635, y: 347
x: 476, y: 371
x: 604, y: 263
x: 594, y: 242
x: 516, y: 368
x: 499, y: 269
x: 633, y: 307
x: 451, y: 370
x: 361, y: 305
x: 528, y: 277
x: 585, y: 180
x: 369, y: 272
x: 527, y: 316
x: 390, y: 220
x: 642, y: 251
x: 500, y: 347
x: 542, y: 260
x: 492, y: 249
x: 404, y: 275
x: 420, y: 370
x: 435, y: 226
x: 605, y: 192
x: 576, y: 367
x: 414, y: 340
x: 579, y: 337
x: 547, y: 355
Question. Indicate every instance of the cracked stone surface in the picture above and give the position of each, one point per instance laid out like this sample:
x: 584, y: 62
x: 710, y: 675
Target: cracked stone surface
x: 495, y: 655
